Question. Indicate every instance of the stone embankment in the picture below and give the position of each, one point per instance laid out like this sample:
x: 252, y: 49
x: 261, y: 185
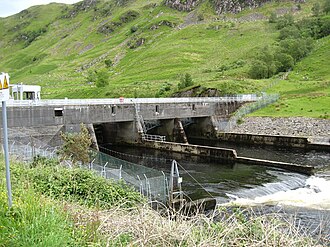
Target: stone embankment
x: 314, y: 129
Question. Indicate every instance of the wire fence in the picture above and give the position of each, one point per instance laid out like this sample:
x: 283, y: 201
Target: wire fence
x: 27, y: 152
x: 150, y: 182
x: 228, y: 125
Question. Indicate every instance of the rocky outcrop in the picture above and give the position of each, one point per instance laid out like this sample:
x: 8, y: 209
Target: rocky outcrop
x: 221, y: 6
x: 198, y: 91
x: 82, y: 6
x: 236, y: 6
x: 182, y: 5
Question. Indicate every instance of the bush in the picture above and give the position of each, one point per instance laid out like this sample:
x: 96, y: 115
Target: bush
x: 285, y: 21
x: 258, y: 70
x: 76, y: 146
x: 134, y: 29
x: 316, y: 9
x: 108, y: 63
x: 325, y: 28
x: 296, y: 48
x: 185, y: 81
x: 272, y: 18
x: 102, y: 78
x: 326, y: 6
x: 291, y: 32
x: 83, y: 186
x: 285, y: 62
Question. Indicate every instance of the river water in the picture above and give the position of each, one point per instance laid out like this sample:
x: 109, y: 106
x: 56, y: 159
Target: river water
x: 307, y: 198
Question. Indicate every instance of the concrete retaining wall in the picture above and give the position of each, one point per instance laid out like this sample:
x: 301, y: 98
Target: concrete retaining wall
x: 223, y: 154
x: 281, y: 141
x: 204, y: 151
x: 288, y: 166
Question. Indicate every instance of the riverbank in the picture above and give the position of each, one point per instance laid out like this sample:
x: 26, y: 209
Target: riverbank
x: 44, y: 215
x: 315, y: 129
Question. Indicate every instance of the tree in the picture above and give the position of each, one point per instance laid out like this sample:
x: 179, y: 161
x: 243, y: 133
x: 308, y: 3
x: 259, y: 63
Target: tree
x: 258, y: 70
x: 102, y: 78
x: 272, y: 18
x: 185, y: 81
x: 76, y: 146
x: 297, y: 48
x: 325, y: 28
x: 284, y: 21
x: 289, y: 32
x: 316, y: 9
x: 284, y: 61
x: 326, y: 6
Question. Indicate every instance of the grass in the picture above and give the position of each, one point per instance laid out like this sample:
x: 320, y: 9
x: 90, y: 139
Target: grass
x: 307, y: 90
x: 43, y: 215
x: 33, y: 221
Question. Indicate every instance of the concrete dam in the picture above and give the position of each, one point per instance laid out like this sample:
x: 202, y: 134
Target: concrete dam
x: 122, y: 120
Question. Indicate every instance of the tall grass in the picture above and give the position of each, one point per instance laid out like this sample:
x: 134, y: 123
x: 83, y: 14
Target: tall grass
x: 145, y: 227
x: 38, y: 220
x: 33, y: 221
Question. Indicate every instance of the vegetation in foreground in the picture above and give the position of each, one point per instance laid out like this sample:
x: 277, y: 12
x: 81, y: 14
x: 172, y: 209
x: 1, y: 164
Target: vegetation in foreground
x: 57, y: 206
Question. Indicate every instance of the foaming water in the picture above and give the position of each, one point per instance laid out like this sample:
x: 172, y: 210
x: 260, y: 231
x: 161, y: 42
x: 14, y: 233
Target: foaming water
x: 314, y: 194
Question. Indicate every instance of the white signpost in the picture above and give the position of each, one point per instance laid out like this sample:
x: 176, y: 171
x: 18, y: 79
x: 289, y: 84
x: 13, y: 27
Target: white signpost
x: 4, y: 96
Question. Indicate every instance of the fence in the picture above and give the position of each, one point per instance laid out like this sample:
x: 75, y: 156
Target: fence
x: 263, y: 101
x: 26, y: 152
x: 149, y: 182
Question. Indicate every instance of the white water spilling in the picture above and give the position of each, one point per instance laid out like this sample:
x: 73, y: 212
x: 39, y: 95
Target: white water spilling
x: 313, y: 192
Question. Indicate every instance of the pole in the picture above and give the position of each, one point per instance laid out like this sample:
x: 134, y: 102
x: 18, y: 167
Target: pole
x: 5, y: 147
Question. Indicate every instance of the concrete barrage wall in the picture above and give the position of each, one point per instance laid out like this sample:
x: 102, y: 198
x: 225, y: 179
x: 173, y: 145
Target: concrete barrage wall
x: 282, y: 141
x: 204, y: 151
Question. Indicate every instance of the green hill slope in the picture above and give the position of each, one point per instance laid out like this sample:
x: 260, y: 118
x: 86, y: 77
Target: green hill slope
x: 145, y: 47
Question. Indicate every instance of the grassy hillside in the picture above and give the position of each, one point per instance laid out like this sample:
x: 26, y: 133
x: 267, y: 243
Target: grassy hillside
x: 149, y: 46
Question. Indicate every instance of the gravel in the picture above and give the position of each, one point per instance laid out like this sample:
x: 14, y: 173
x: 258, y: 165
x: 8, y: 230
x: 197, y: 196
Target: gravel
x: 292, y: 126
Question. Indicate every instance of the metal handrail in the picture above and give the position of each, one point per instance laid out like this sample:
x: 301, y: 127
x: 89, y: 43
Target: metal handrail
x: 118, y: 101
x: 147, y: 137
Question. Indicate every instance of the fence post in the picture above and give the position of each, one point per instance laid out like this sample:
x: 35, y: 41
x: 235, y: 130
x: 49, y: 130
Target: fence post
x: 120, y: 169
x: 103, y: 170
x: 91, y: 165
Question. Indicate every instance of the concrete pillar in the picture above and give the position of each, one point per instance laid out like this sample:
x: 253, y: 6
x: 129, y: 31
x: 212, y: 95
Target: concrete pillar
x: 179, y: 134
x: 91, y: 131
x: 127, y: 132
x: 203, y: 127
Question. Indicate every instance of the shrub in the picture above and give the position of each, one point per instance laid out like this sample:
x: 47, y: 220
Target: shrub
x: 285, y: 62
x: 83, y: 186
x: 108, y: 63
x: 185, y: 81
x: 102, y: 78
x: 316, y: 9
x: 326, y: 6
x: 297, y: 48
x: 289, y: 32
x: 258, y: 70
x: 76, y: 146
x: 272, y: 18
x: 134, y: 29
x: 284, y: 21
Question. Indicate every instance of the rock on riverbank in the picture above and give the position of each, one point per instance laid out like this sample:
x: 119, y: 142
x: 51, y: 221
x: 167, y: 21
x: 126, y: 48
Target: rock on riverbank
x: 292, y: 126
